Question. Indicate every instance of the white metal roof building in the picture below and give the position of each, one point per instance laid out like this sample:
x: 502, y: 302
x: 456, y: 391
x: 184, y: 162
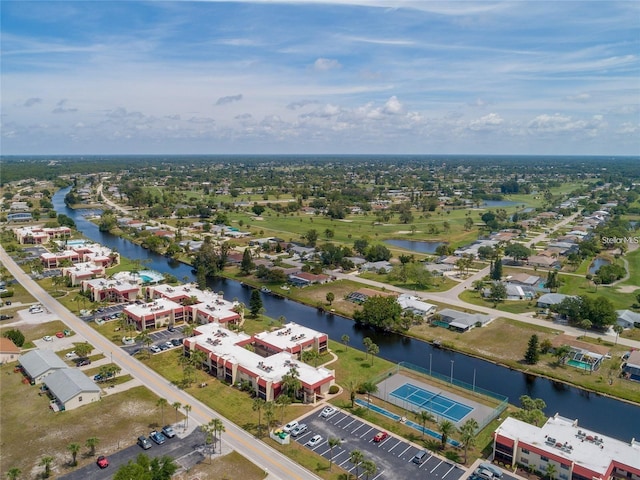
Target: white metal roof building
x: 37, y: 364
x: 71, y: 388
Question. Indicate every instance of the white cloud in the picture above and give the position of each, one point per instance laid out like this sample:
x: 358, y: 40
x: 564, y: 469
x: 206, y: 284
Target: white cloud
x: 326, y: 64
x: 229, y: 99
x: 487, y: 122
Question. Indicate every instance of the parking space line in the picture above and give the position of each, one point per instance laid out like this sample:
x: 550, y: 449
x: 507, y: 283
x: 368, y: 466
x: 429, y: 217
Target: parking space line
x: 426, y: 461
x: 449, y: 471
x: 357, y: 428
x: 439, y: 463
x: 345, y: 461
x: 341, y: 418
x: 408, y: 447
x: 349, y: 423
x: 399, y: 442
x: 374, y: 478
x: 365, y: 433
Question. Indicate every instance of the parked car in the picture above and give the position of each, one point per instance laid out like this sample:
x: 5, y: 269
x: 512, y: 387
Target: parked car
x: 497, y: 473
x: 157, y: 437
x: 314, y: 441
x: 103, y: 462
x: 328, y: 411
x: 300, y: 429
x: 420, y: 457
x: 380, y: 436
x: 47, y: 338
x: 171, y: 328
x: 6, y: 317
x: 7, y: 303
x: 155, y: 349
x: 60, y: 335
x: 176, y: 342
x: 168, y: 431
x: 290, y: 426
x: 81, y: 362
x: 70, y: 354
x: 169, y: 344
x: 144, y: 442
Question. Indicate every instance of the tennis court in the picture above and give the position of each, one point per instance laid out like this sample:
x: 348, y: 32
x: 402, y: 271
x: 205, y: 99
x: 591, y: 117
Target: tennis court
x: 435, y: 402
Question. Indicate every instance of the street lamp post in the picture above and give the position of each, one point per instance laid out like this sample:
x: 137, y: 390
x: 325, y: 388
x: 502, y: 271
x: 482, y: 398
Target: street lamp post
x: 451, y: 371
x: 430, y: 358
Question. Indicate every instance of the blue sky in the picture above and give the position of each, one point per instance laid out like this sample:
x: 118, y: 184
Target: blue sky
x: 336, y: 76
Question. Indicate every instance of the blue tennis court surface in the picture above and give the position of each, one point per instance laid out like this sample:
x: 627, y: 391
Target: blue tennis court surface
x: 435, y: 402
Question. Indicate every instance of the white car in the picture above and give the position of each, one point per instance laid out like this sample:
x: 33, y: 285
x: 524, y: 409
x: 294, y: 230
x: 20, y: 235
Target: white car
x: 290, y: 426
x: 328, y: 411
x: 36, y: 310
x: 70, y: 354
x: 47, y: 338
x: 314, y: 441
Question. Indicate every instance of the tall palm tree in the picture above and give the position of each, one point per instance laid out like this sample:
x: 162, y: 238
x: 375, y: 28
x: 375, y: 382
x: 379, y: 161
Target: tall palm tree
x: 423, y: 417
x: 551, y: 471
x: 352, y: 387
x: 333, y: 442
x: 13, y: 473
x: 269, y: 413
x: 258, y: 405
x: 74, y: 448
x: 446, y: 429
x: 91, y: 444
x: 369, y: 388
x: 283, y: 402
x: 218, y: 428
x: 46, y: 463
x: 162, y: 402
x: 176, y: 406
x: 369, y: 468
x: 356, y: 457
x: 187, y: 409
x: 468, y: 435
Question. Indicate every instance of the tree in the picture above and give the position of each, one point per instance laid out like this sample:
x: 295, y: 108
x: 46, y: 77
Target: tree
x: 330, y: 297
x: 532, y: 410
x: 498, y: 293
x: 383, y: 313
x: 255, y: 303
x: 585, y: 325
x: 13, y: 473
x: 218, y: 428
x: 144, y: 468
x: 46, y: 462
x: 83, y: 349
x: 373, y: 350
x: 446, y: 428
x: 345, y: 339
x: 356, y: 457
x: 332, y: 442
x: 517, y: 251
x: 551, y: 471
x: 16, y: 336
x: 369, y: 468
x: 176, y: 406
x: 561, y: 352
x: 269, y: 413
x: 291, y: 383
x: 423, y: 417
x: 552, y: 282
x: 369, y: 388
x: 247, y: 262
x: 618, y: 329
x: 366, y: 342
x: 352, y: 387
x: 283, y: 402
x: 162, y: 402
x: 187, y: 409
x: 311, y: 237
x: 74, y: 448
x: 91, y: 444
x: 468, y: 435
x: 257, y: 406
x: 532, y: 355
x: 496, y: 271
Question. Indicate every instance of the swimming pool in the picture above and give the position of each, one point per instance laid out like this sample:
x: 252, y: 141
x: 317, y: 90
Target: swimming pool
x: 150, y: 276
x: 580, y: 364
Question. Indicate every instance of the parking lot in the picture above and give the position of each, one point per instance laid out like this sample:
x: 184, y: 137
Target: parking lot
x: 158, y: 338
x: 393, y: 456
x: 187, y: 451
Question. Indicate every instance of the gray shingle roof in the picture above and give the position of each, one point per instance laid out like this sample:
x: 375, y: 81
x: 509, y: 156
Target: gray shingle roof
x: 39, y: 362
x: 66, y: 384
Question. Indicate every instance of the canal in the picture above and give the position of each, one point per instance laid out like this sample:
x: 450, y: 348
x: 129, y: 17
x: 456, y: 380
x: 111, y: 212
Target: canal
x: 603, y: 414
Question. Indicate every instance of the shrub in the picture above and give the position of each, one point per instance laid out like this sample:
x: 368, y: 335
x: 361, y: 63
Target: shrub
x: 15, y: 336
x: 333, y: 389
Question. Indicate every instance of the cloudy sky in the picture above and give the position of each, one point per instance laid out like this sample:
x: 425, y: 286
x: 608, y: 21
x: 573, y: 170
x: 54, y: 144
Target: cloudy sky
x: 334, y: 76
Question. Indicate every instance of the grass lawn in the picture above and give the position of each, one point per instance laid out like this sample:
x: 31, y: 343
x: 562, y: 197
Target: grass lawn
x: 30, y: 430
x: 228, y: 467
x: 511, y: 306
x: 439, y: 284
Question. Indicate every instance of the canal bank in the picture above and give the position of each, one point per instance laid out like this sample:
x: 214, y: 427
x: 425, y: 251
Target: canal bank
x: 600, y: 413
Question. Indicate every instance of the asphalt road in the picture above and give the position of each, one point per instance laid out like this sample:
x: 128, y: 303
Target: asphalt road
x: 267, y: 458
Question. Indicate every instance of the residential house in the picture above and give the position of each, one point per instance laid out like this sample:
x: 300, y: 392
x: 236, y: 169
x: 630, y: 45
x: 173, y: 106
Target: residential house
x: 9, y: 352
x: 37, y: 364
x: 303, y: 279
x: 628, y: 319
x: 70, y: 388
x: 631, y: 367
x: 415, y: 305
x: 550, y: 299
x: 461, y: 321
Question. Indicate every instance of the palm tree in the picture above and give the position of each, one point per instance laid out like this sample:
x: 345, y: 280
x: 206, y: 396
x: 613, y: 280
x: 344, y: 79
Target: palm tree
x: 356, y: 457
x: 369, y: 468
x: 345, y: 339
x: 283, y: 402
x: 177, y: 406
x: 352, y: 387
x: 187, y: 409
x: 333, y: 442
x: 74, y: 448
x: 551, y: 470
x: 423, y: 417
x: 258, y: 405
x: 468, y: 435
x: 218, y: 428
x: 91, y: 444
x: 46, y: 463
x: 269, y: 413
x: 369, y: 388
x: 162, y: 402
x: 618, y: 329
x: 146, y: 340
x: 13, y: 473
x: 446, y: 429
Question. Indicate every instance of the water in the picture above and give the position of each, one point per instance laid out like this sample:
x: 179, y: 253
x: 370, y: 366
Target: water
x: 602, y: 414
x: 597, y: 263
x: 416, y: 245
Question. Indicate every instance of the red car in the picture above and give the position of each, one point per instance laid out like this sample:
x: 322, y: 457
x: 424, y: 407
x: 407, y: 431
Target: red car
x: 380, y: 436
x: 103, y: 462
x: 60, y: 335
